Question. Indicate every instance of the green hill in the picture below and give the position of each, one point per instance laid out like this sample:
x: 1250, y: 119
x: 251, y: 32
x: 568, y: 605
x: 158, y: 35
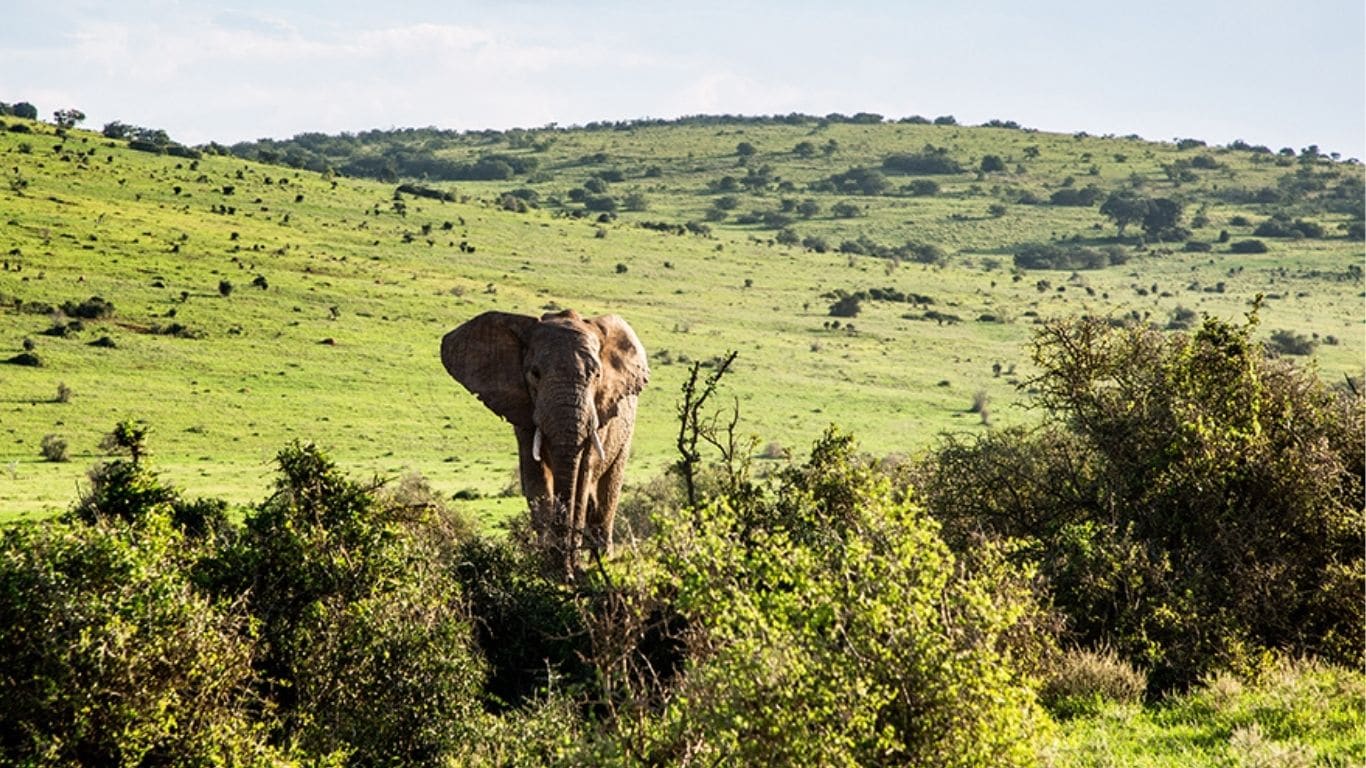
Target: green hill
x: 245, y: 302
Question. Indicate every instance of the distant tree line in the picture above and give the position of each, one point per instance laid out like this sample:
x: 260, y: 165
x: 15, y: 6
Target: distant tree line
x: 411, y: 152
x: 19, y: 109
x: 353, y: 156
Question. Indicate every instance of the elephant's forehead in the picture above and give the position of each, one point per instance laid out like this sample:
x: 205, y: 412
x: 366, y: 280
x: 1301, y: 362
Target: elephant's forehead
x: 567, y: 336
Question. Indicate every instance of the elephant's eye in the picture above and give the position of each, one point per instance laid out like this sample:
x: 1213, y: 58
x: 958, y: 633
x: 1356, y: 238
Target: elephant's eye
x: 533, y: 374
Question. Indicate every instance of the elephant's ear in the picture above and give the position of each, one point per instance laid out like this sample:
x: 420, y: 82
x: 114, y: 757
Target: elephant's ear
x: 625, y: 370
x: 485, y: 355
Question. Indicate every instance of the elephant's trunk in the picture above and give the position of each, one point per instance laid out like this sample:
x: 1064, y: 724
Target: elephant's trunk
x: 566, y: 440
x: 565, y: 531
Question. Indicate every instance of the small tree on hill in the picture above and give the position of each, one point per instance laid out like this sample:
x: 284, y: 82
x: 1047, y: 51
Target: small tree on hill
x: 1124, y: 208
x: 127, y: 436
x: 68, y: 118
x: 1163, y: 220
x: 992, y: 164
x: 117, y: 130
x: 846, y: 305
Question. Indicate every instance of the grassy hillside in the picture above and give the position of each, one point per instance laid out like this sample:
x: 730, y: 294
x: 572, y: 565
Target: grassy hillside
x: 254, y: 303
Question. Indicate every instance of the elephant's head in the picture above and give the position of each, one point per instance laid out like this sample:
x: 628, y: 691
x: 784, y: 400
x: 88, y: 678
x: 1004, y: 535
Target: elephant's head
x: 558, y: 378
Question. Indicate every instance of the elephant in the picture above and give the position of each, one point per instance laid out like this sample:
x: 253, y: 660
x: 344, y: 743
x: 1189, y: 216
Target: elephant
x: 568, y: 385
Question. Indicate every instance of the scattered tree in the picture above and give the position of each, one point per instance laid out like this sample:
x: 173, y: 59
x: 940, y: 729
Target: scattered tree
x: 1125, y: 207
x: 68, y: 118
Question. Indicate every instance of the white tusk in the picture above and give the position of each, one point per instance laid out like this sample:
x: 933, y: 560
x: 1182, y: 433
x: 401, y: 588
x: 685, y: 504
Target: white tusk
x: 597, y: 441
x: 536, y: 445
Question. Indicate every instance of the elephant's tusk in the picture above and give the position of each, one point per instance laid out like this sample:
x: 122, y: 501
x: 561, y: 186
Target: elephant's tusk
x: 597, y: 441
x: 536, y: 445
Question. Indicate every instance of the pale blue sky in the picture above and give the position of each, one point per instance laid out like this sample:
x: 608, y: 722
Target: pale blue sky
x: 1266, y: 71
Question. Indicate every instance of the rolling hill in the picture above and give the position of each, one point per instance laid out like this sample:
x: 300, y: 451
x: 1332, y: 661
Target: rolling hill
x: 276, y: 290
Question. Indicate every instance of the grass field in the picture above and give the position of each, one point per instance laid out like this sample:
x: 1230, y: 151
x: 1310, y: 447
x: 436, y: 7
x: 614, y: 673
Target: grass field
x: 338, y: 296
x: 1296, y: 714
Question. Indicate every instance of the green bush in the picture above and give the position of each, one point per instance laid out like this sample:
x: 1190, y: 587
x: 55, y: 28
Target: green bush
x: 1071, y: 196
x: 992, y: 164
x: 1190, y: 501
x: 122, y: 490
x: 828, y: 624
x: 529, y: 629
x: 1068, y: 257
x: 1286, y: 342
x: 931, y: 160
x: 1280, y: 225
x: 923, y: 187
x: 1248, y: 246
x: 110, y: 656
x: 54, y: 448
x: 364, y: 645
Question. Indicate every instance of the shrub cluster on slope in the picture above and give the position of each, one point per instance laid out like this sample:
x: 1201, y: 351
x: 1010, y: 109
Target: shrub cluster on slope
x: 1190, y: 501
x: 340, y: 623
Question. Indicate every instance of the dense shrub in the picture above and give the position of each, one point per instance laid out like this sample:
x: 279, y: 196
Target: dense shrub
x: 54, y: 448
x: 122, y: 490
x: 1162, y: 221
x: 418, y: 190
x: 858, y: 180
x: 143, y: 145
x: 1190, y: 501
x: 180, y: 150
x: 117, y: 130
x: 529, y: 629
x: 846, y: 305
x: 923, y: 187
x: 93, y: 308
x: 1084, y: 197
x: 1182, y: 318
x: 930, y: 160
x: 1068, y: 257
x: 365, y: 647
x: 923, y: 253
x: 1286, y: 342
x: 1248, y: 246
x: 1281, y: 225
x: 845, y: 210
x: 601, y: 203
x: 110, y: 656
x: 992, y: 164
x: 834, y: 584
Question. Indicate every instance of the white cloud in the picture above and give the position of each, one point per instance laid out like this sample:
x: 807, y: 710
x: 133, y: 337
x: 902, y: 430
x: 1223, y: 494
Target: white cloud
x: 205, y: 71
x: 726, y: 91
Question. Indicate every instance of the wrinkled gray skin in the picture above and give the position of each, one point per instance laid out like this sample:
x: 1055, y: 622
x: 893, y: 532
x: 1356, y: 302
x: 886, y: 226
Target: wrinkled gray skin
x: 574, y: 380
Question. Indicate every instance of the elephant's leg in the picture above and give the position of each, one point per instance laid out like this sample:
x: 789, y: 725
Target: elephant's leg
x: 603, y: 512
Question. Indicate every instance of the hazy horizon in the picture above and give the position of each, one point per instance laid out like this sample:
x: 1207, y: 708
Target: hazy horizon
x: 1265, y: 72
